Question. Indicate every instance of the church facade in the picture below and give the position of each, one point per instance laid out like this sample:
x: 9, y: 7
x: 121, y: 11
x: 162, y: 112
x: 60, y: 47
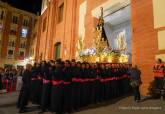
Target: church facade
x: 66, y: 26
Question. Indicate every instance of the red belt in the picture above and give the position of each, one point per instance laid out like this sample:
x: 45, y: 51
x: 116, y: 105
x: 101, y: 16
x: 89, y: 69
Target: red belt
x: 113, y: 78
x: 80, y: 80
x: 46, y: 81
x: 57, y: 82
x: 91, y: 80
x: 102, y: 80
x: 98, y: 78
x: 110, y: 79
x: 86, y: 80
x: 106, y: 79
x: 5, y: 81
x: 34, y: 79
x: 37, y: 78
x: 66, y: 83
x: 77, y: 80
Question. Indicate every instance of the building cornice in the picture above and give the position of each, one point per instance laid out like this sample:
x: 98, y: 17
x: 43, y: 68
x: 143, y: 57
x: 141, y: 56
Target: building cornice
x: 13, y: 9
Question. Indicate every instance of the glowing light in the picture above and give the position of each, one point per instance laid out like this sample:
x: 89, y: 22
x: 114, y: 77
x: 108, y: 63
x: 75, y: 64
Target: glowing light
x: 97, y: 59
x: 30, y: 58
x: 120, y: 59
x: 32, y: 62
x: 24, y: 33
x: 123, y: 58
x: 65, y: 52
x: 109, y: 59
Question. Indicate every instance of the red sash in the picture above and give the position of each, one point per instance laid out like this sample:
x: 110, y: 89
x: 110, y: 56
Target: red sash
x: 46, y: 81
x: 66, y: 83
x: 57, y: 82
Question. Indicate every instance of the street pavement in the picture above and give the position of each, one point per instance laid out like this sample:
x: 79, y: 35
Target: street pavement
x: 124, y: 105
x: 7, y: 99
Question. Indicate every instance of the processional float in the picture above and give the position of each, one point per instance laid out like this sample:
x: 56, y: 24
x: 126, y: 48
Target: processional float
x: 101, y: 50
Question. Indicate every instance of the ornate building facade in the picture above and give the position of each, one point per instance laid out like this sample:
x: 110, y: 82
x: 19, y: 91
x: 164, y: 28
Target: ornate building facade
x: 67, y: 26
x: 16, y: 33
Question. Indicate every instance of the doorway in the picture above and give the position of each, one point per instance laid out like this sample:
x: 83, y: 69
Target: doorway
x: 57, y: 50
x: 118, y: 24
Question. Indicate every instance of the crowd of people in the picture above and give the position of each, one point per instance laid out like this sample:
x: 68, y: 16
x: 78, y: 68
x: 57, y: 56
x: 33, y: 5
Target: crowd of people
x: 8, y: 78
x: 66, y: 86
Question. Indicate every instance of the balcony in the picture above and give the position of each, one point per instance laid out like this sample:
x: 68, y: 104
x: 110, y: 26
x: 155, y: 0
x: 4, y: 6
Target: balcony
x: 10, y: 56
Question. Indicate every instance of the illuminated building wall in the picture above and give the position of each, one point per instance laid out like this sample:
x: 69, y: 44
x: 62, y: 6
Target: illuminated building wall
x: 15, y: 34
x: 65, y: 22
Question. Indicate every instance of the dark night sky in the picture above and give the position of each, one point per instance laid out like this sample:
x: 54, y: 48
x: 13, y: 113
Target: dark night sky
x: 33, y: 6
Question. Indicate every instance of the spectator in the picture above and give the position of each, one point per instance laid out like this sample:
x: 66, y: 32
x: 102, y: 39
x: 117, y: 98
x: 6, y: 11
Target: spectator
x: 1, y: 78
x: 135, y: 82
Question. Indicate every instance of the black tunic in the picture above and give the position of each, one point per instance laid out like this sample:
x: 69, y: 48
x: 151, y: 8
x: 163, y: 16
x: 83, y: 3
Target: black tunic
x: 36, y: 85
x: 83, y: 88
x: 76, y: 85
x: 110, y: 86
x: 67, y: 87
x: 57, y: 91
x: 103, y: 83
x: 0, y: 81
x: 92, y: 87
x: 25, y: 90
x: 46, y: 88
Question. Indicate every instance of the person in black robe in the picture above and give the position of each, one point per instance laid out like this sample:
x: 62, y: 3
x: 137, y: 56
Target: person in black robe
x: 110, y: 76
x: 117, y: 75
x: 88, y: 83
x: 76, y: 91
x: 92, y: 83
x: 125, y: 84
x: 34, y: 83
x: 1, y: 79
x: 73, y: 74
x: 83, y: 75
x: 46, y: 88
x: 127, y: 80
x: 106, y: 83
x: 113, y: 81
x: 7, y: 79
x: 98, y: 83
x: 67, y: 87
x: 41, y: 76
x: 57, y: 89
x: 103, y: 82
x: 25, y: 90
x: 120, y: 80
